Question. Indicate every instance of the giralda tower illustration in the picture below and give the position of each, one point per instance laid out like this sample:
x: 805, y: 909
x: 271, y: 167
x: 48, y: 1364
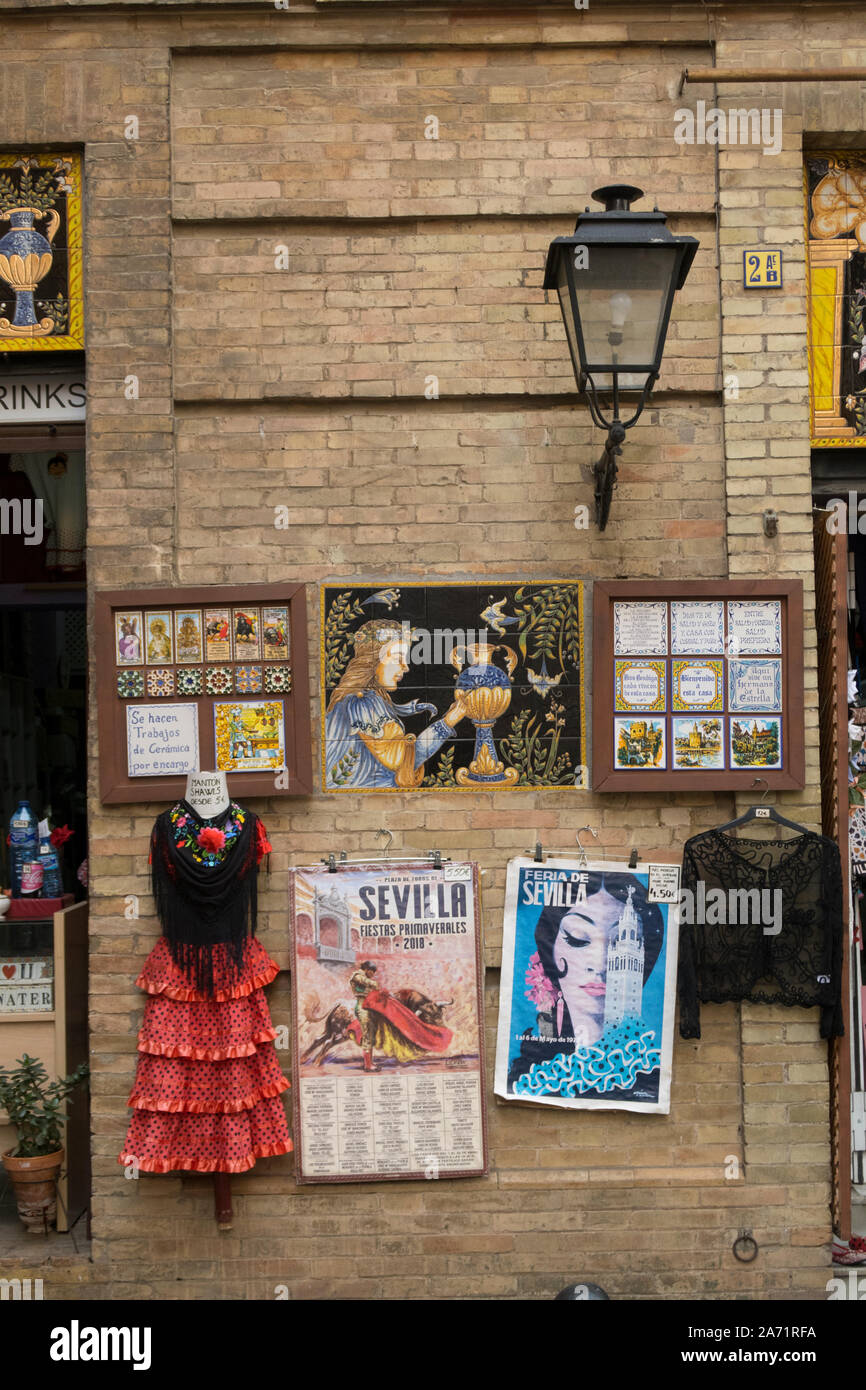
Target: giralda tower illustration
x: 625, y: 957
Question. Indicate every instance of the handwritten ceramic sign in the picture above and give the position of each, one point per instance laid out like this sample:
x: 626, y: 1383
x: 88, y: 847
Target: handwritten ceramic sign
x: 161, y: 740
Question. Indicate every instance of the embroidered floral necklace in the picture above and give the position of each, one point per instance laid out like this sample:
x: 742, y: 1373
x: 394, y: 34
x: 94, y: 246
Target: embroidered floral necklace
x: 208, y: 841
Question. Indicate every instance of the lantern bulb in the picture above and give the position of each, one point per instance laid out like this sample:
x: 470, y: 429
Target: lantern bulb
x: 620, y: 304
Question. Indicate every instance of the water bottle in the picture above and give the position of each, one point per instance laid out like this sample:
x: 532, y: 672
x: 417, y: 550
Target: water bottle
x: 22, y: 843
x: 52, y: 880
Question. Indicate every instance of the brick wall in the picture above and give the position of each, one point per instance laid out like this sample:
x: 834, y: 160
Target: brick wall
x: 304, y: 387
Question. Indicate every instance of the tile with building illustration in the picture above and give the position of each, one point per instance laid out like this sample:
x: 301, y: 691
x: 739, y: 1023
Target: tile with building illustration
x: 698, y: 743
x: 755, y: 741
x: 640, y: 744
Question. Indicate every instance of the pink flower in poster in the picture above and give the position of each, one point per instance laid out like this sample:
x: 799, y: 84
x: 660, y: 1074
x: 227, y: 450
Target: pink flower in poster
x: 540, y: 990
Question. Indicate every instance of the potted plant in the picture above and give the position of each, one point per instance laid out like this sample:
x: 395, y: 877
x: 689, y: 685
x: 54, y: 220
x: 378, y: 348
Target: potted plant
x: 33, y: 1103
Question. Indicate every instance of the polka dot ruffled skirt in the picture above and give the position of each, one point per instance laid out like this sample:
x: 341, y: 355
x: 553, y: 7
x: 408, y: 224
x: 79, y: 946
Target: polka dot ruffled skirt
x: 207, y: 1088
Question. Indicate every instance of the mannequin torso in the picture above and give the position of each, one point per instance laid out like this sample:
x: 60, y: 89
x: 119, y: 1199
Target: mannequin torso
x: 207, y: 794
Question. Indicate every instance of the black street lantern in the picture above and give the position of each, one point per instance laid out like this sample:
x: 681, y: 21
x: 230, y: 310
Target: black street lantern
x: 616, y: 278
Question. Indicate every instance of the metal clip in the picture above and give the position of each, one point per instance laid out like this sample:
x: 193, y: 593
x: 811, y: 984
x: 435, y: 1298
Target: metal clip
x: 436, y: 856
x: 538, y: 856
x: 332, y: 863
x: 633, y: 858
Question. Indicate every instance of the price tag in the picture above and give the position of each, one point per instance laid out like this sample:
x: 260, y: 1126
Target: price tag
x: 664, y: 883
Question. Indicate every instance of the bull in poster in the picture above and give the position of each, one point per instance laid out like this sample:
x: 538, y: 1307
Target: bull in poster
x: 386, y: 982
x: 587, y: 1001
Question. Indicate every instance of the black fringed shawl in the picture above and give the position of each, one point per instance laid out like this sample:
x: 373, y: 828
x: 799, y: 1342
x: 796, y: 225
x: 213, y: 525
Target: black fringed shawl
x: 203, y: 906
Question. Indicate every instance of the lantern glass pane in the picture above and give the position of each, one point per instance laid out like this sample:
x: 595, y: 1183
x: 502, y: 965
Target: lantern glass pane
x: 562, y: 289
x: 622, y: 298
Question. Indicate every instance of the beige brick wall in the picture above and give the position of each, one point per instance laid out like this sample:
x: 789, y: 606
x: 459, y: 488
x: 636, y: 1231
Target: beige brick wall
x: 330, y: 312
x: 304, y: 387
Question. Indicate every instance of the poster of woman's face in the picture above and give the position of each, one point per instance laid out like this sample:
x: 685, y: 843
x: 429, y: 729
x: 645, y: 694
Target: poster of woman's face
x: 588, y: 975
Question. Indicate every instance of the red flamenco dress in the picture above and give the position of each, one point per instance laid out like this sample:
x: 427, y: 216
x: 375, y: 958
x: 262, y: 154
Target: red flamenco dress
x: 207, y: 1084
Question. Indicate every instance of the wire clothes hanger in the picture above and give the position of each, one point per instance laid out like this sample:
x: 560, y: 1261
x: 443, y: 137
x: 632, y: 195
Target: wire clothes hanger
x: 764, y: 812
x: 540, y: 851
x: 435, y: 857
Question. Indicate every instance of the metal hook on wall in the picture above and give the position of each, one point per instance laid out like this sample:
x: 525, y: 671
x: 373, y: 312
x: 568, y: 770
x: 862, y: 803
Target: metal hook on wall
x: 390, y: 838
x: 755, y: 782
x: 582, y: 859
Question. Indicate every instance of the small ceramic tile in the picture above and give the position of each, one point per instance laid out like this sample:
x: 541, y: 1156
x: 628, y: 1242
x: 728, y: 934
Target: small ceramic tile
x: 640, y: 685
x: 698, y: 743
x: 160, y: 681
x: 249, y: 735
x: 639, y: 743
x: 697, y: 627
x: 130, y: 684
x: 248, y: 680
x: 755, y: 627
x: 189, y: 682
x: 697, y: 685
x: 755, y: 686
x: 278, y: 679
x: 640, y: 629
x: 756, y: 741
x: 218, y: 680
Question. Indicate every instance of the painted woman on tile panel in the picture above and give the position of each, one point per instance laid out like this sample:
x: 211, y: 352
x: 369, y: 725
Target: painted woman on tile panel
x: 366, y: 743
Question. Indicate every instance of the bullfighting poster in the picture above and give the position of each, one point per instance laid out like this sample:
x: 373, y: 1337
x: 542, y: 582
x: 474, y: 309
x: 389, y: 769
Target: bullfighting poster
x: 589, y: 959
x: 387, y: 1008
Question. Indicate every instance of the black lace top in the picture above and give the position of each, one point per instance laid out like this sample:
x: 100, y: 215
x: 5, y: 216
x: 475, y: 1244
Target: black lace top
x: 769, y: 949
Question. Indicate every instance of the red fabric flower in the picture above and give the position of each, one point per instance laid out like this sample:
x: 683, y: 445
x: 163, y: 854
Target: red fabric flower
x: 60, y: 834
x: 210, y: 838
x: 263, y: 844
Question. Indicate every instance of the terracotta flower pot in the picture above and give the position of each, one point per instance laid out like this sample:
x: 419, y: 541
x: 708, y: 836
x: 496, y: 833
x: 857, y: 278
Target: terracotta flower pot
x: 34, y: 1182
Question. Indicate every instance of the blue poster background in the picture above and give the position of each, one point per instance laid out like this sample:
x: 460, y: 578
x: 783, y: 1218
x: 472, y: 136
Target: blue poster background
x: 597, y: 922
